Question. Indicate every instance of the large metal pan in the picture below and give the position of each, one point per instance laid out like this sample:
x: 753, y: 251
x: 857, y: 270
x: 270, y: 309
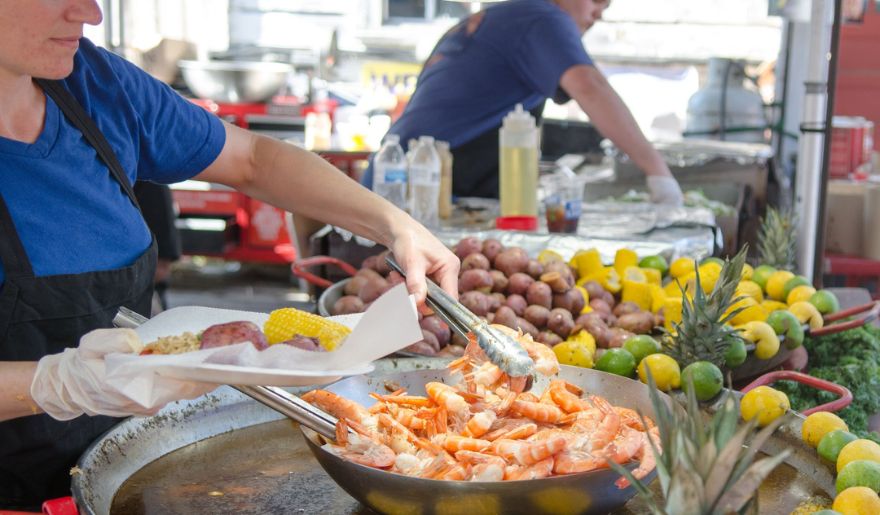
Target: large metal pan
x: 588, y: 493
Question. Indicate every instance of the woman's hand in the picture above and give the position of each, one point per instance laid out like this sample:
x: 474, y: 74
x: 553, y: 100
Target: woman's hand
x: 421, y: 254
x: 73, y: 383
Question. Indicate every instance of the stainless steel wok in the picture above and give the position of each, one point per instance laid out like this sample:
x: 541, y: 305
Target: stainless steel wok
x: 225, y: 453
x: 235, y: 81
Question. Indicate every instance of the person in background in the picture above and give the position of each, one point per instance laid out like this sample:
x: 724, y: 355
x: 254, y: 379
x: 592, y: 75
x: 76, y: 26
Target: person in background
x: 157, y: 206
x: 78, y: 126
x: 519, y: 52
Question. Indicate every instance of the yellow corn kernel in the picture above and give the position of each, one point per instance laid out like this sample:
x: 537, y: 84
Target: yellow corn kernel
x: 285, y: 323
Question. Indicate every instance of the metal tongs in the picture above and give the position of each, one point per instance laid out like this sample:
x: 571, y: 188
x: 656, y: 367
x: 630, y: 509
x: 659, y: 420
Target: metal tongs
x: 273, y: 397
x: 500, y: 348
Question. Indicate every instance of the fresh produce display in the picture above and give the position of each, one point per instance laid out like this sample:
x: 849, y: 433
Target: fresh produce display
x: 777, y: 241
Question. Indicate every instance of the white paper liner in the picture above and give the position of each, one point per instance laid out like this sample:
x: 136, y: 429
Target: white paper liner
x: 389, y: 325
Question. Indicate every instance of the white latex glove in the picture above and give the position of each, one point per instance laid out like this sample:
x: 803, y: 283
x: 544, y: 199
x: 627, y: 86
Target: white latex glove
x: 664, y: 190
x: 72, y: 383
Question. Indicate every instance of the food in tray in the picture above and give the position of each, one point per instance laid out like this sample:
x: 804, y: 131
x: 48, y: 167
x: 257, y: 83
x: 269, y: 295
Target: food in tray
x: 486, y: 428
x: 286, y: 326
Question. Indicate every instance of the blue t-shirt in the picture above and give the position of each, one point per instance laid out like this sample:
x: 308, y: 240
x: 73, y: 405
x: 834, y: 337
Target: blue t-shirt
x: 517, y: 54
x: 69, y: 211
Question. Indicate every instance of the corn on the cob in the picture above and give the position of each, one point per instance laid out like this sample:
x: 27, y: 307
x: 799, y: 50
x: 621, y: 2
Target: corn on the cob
x: 285, y: 323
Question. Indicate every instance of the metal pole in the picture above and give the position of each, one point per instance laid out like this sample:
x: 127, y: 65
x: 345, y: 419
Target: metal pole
x: 811, y: 144
x: 819, y: 247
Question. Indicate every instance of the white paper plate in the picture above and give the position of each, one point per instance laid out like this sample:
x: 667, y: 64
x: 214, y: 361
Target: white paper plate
x: 232, y: 374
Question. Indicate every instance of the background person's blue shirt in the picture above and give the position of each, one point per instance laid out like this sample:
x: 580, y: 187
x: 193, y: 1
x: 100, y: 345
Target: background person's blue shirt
x: 69, y: 211
x: 517, y: 54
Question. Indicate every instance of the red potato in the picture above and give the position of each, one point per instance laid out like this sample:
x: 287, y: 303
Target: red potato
x: 600, y: 306
x: 475, y: 301
x: 371, y: 263
x: 304, y: 342
x: 526, y: 327
x: 548, y: 338
x: 459, y: 340
x: 593, y: 324
x: 519, y: 283
x: 496, y: 300
x: 381, y: 265
x: 608, y: 298
x: 429, y: 338
x: 534, y: 268
x: 451, y: 351
x: 540, y: 293
x: 421, y: 348
x: 505, y: 316
x: 475, y: 261
x: 467, y: 246
x: 479, y: 280
x: 230, y: 333
x: 394, y: 278
x: 618, y: 336
x: 659, y: 319
x: 491, y: 249
x: 625, y: 308
x: 594, y: 289
x: 438, y: 328
x: 641, y: 322
x: 373, y: 289
x: 354, y: 285
x: 537, y: 315
x: 562, y: 269
x: 347, y: 305
x: 517, y: 303
x: 571, y: 300
x: 511, y: 261
x: 556, y: 282
x: 560, y: 322
x: 500, y: 282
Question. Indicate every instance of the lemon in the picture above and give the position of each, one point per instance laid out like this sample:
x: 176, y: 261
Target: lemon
x: 761, y: 274
x: 681, y: 266
x: 751, y: 311
x: 749, y: 289
x: 776, y: 284
x: 860, y: 449
x: 673, y: 288
x: 773, y: 305
x: 800, y: 294
x: 586, y: 262
x: 586, y: 338
x: 764, y: 404
x: 547, y: 256
x: 575, y: 352
x: 664, y: 370
x: 857, y: 500
x: 793, y: 283
x: 818, y: 425
x: 625, y: 258
x: 807, y: 313
x: 747, y: 272
x: 763, y: 336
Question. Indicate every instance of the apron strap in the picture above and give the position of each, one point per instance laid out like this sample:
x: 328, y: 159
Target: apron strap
x: 12, y: 254
x: 78, y: 116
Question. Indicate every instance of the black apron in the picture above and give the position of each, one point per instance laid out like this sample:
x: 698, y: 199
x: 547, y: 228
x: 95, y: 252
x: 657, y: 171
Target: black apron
x: 45, y: 315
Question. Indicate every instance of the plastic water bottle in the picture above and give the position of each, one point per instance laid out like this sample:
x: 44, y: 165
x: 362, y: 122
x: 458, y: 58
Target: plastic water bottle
x: 390, y: 172
x: 424, y: 172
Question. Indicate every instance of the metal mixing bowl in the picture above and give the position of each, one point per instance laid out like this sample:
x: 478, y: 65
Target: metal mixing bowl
x: 235, y: 81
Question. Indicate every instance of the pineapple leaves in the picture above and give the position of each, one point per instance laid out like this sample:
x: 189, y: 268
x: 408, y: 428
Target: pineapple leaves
x: 777, y: 239
x: 744, y: 489
x: 684, y: 492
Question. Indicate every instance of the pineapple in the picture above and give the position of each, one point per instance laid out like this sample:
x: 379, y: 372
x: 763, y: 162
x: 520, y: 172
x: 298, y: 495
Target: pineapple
x: 705, y: 467
x: 777, y: 239
x: 702, y: 334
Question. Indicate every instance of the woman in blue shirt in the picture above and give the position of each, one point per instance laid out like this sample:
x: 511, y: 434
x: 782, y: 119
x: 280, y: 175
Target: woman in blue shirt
x: 78, y: 126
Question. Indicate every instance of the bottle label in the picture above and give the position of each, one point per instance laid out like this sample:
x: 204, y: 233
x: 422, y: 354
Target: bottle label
x: 573, y: 209
x: 395, y: 175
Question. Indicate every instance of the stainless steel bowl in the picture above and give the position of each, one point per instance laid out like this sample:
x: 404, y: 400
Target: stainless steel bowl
x: 235, y: 81
x: 329, y: 297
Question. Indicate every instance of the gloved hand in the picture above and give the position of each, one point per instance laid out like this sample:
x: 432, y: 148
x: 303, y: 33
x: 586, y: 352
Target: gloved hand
x: 664, y: 190
x: 72, y: 383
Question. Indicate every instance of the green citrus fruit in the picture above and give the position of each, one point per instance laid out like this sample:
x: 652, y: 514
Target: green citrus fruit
x: 736, y: 354
x: 718, y: 261
x: 655, y: 262
x: 786, y: 324
x: 793, y: 283
x: 831, y: 444
x: 761, y: 274
x: 826, y: 512
x: 705, y: 377
x: 825, y: 301
x: 859, y: 473
x: 641, y: 345
x: 617, y: 361
x: 819, y: 424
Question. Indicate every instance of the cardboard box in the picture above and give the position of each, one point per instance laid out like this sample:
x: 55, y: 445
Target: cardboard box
x: 844, y: 217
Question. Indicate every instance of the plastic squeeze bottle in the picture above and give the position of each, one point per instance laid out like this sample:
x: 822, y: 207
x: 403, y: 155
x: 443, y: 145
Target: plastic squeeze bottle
x: 390, y: 172
x: 445, y: 203
x: 518, y: 164
x: 424, y: 177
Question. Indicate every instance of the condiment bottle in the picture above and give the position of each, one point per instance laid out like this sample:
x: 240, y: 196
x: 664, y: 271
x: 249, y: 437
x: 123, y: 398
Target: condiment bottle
x: 445, y: 202
x: 518, y: 164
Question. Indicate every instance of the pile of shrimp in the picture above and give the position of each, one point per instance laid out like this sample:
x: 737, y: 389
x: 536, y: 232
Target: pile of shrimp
x: 486, y: 428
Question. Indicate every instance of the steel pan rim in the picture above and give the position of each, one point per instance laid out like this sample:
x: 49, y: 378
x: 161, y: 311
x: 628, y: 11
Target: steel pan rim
x: 214, y: 65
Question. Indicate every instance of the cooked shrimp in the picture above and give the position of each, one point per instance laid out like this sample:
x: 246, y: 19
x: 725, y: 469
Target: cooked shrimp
x: 480, y: 423
x: 537, y: 411
x: 484, y: 467
x: 339, y: 406
x: 646, y: 456
x: 528, y: 453
x: 446, y: 396
x: 360, y: 448
x: 453, y: 443
x: 520, y: 432
x: 546, y: 362
x: 631, y: 418
x: 574, y: 461
x: 566, y: 396
x: 537, y: 471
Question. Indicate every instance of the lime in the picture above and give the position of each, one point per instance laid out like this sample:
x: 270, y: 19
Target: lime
x: 705, y: 377
x: 786, y: 324
x: 831, y: 444
x: 656, y: 262
x: 859, y: 473
x: 664, y: 370
x: 825, y: 301
x: 681, y: 267
x: 761, y: 274
x: 858, y: 500
x: 736, y: 354
x: 717, y: 261
x: 818, y: 424
x: 764, y: 404
x: 641, y: 345
x: 775, y: 286
x: 617, y: 361
x: 826, y: 512
x: 860, y: 449
x: 793, y: 283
